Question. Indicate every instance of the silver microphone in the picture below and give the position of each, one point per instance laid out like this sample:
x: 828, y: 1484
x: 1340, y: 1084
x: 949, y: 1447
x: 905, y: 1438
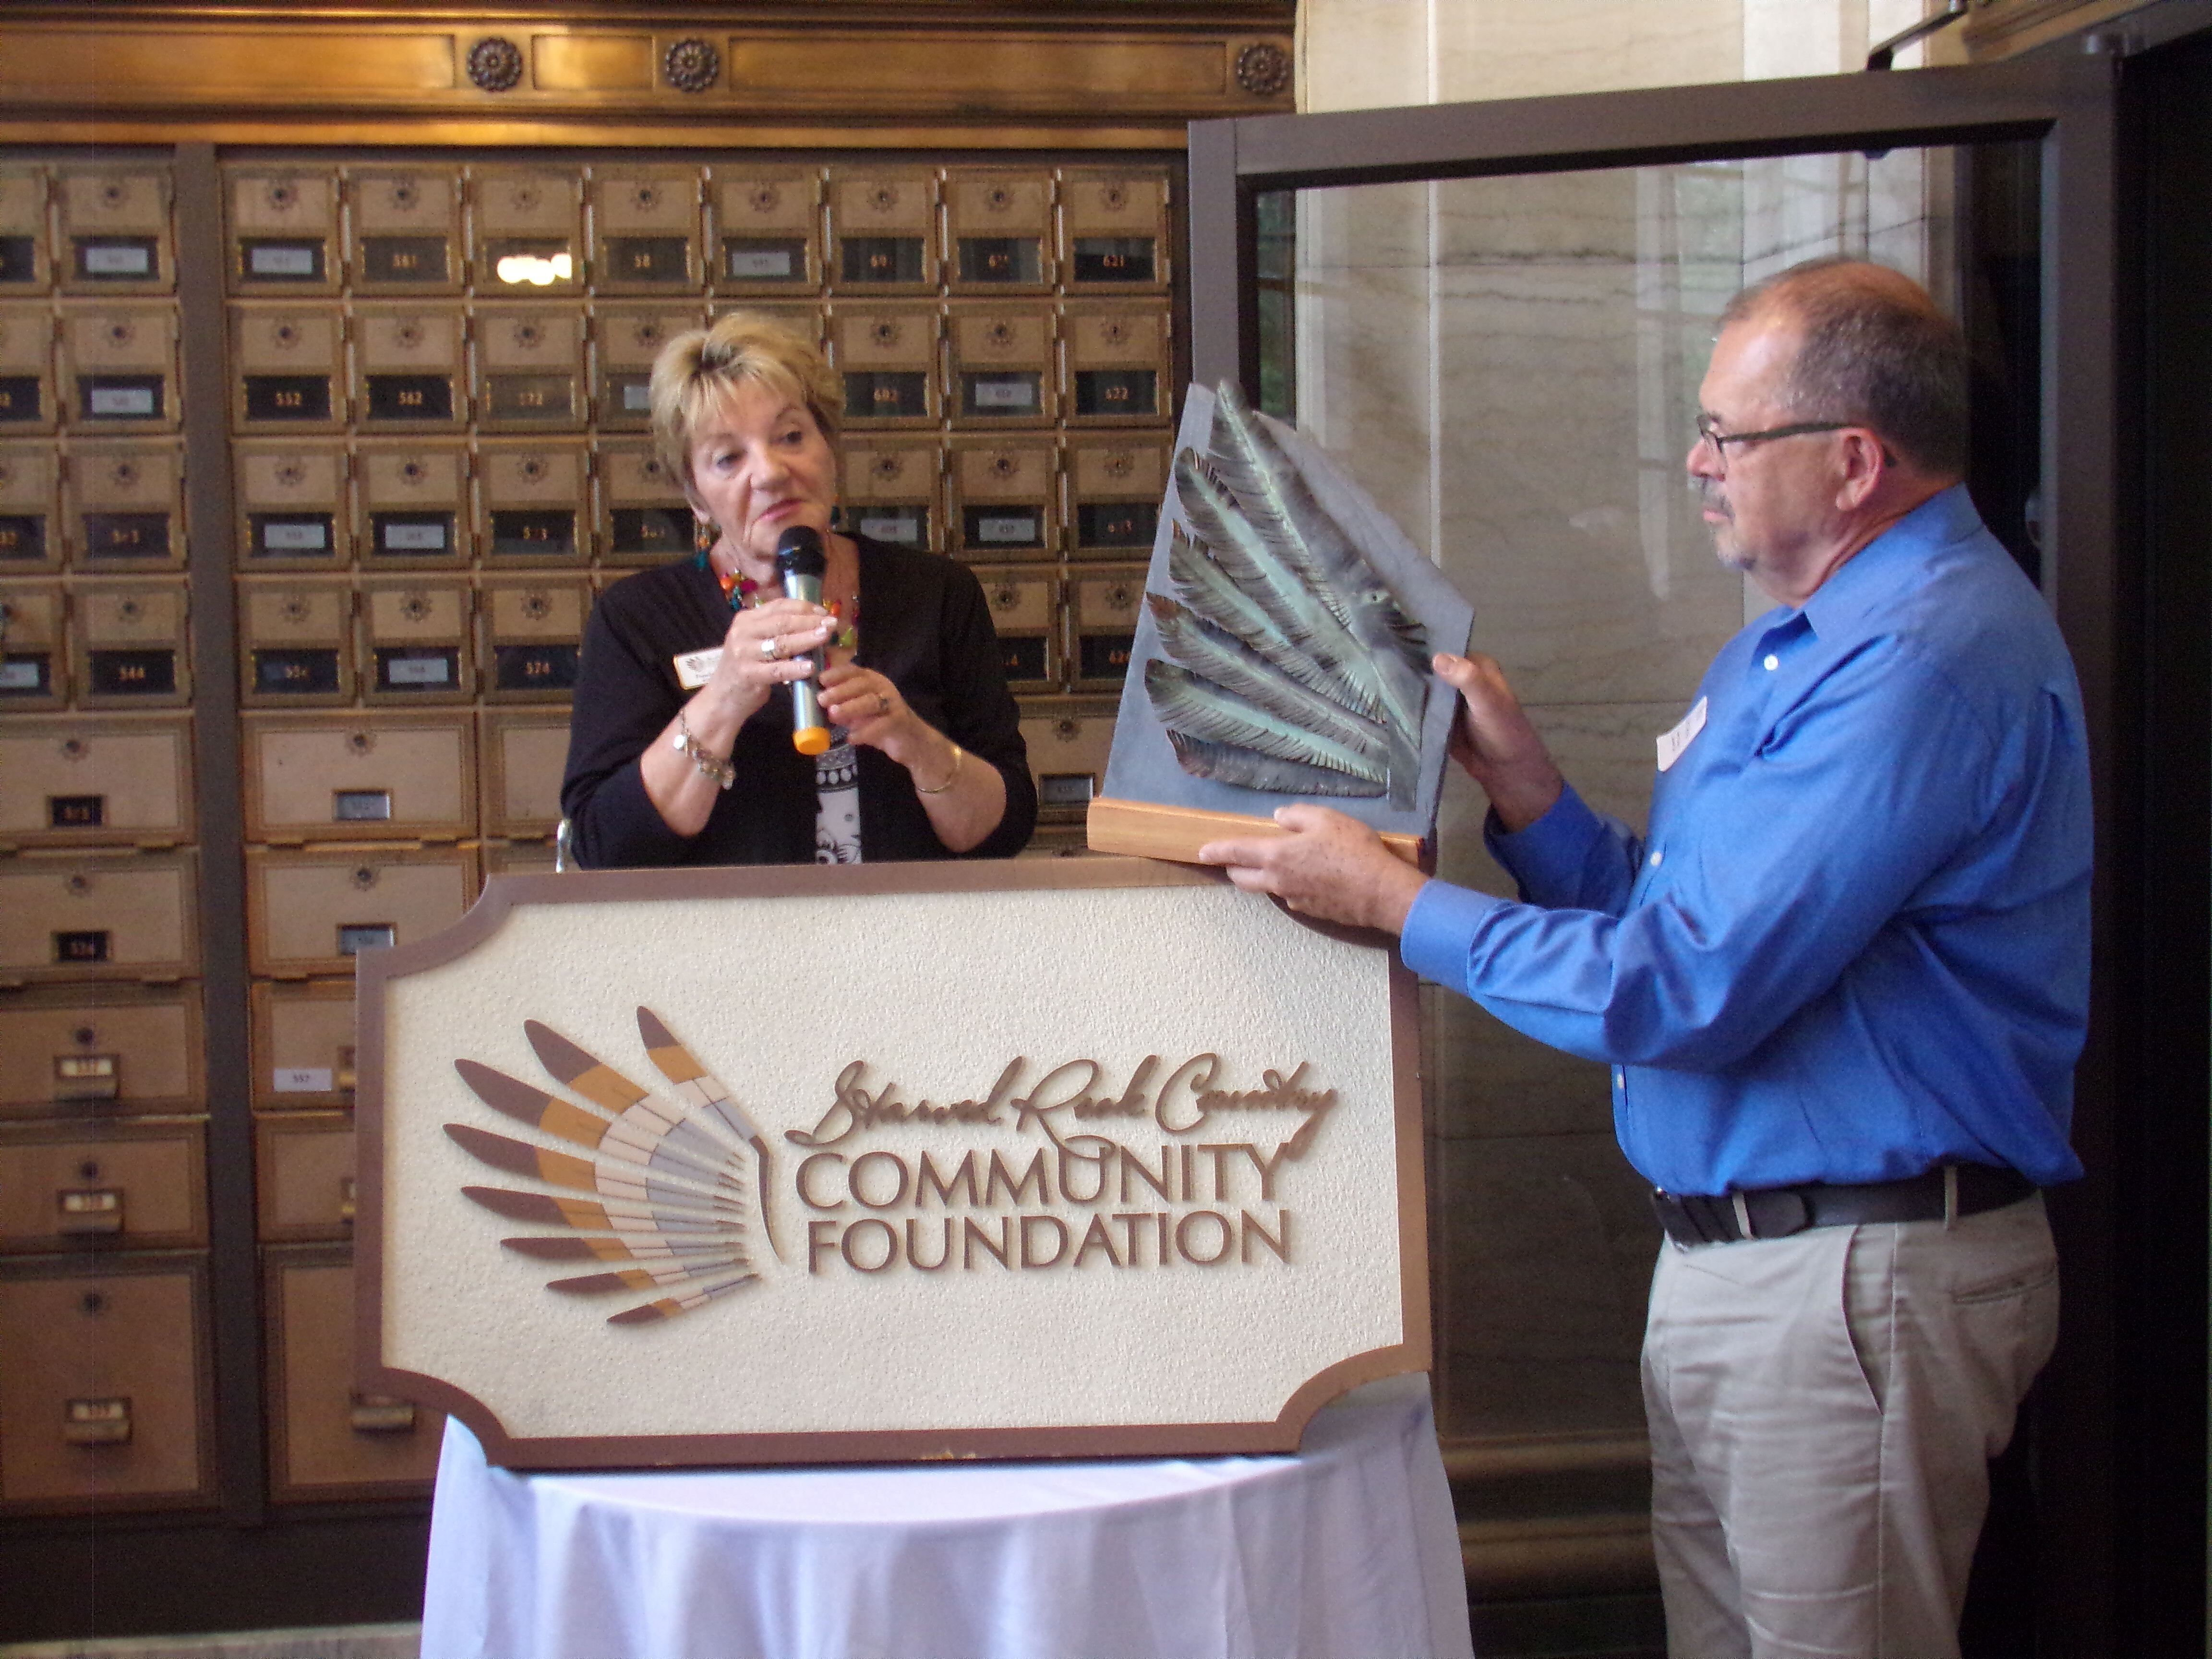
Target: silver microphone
x: 800, y: 558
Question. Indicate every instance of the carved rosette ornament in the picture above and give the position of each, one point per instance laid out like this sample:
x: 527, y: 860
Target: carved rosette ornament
x: 691, y: 65
x: 496, y: 63
x: 1263, y: 69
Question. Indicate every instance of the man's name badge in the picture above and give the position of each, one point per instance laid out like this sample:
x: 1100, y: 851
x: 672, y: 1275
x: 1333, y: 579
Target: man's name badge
x: 1671, y: 744
x: 695, y: 668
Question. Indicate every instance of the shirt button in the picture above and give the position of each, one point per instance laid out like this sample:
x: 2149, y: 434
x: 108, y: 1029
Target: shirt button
x: 1656, y: 860
x: 1621, y: 1077
x: 1773, y: 662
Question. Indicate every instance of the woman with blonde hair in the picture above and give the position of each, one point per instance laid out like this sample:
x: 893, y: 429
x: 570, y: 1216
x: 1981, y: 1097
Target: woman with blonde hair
x: 680, y: 744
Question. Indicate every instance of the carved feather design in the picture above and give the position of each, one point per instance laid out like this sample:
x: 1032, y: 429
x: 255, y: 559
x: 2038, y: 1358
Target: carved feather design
x: 1290, y: 666
x: 656, y: 1195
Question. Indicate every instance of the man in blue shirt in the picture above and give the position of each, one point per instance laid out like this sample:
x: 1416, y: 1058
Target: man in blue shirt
x: 1841, y: 985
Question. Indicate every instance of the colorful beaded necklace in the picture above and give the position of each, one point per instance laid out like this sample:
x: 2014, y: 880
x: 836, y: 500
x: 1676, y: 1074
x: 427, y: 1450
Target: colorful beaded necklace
x: 741, y: 591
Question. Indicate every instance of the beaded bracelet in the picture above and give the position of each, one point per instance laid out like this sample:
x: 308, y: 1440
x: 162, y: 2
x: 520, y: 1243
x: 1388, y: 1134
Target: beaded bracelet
x: 719, y: 772
x: 950, y: 778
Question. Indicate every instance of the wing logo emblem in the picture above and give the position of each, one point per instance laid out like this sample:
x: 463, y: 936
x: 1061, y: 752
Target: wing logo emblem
x: 657, y: 1191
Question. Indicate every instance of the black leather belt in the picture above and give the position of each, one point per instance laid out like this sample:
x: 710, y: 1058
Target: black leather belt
x: 1954, y: 1189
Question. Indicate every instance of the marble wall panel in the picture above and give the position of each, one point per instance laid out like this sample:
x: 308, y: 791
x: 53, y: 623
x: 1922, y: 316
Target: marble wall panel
x: 1527, y: 48
x: 1544, y: 1251
x: 1366, y: 385
x: 1547, y: 218
x: 1366, y: 226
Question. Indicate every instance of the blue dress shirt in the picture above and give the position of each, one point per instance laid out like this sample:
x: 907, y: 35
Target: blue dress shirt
x: 1855, y: 944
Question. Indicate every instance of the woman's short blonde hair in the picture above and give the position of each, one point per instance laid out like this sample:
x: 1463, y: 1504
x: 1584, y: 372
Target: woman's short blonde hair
x: 699, y: 369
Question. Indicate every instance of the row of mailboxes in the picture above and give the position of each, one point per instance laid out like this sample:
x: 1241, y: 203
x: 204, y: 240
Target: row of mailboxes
x: 86, y: 230
x: 389, y: 504
x: 379, y: 367
x: 1075, y: 631
x: 305, y: 643
x: 96, y: 643
x: 744, y: 227
x: 95, y: 367
x: 108, y: 1398
x: 95, y: 506
x: 404, y: 777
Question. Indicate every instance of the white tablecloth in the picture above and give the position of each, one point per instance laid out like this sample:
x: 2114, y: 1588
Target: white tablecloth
x: 1346, y: 1551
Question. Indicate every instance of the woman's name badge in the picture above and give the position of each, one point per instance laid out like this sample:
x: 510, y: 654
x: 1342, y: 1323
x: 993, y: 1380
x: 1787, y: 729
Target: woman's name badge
x: 1672, y: 744
x: 695, y: 668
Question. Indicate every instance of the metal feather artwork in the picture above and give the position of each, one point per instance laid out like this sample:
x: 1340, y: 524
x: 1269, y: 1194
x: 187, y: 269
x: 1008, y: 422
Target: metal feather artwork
x: 672, y: 1208
x: 1290, y: 667
x: 1284, y: 647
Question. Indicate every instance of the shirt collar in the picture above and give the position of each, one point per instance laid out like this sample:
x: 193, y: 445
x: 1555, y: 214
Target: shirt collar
x: 1884, y: 564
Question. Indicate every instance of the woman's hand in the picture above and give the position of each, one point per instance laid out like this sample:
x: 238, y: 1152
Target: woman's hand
x: 766, y: 647
x: 964, y: 796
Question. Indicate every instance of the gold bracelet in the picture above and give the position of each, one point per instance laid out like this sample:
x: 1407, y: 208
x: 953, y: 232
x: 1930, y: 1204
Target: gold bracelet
x: 950, y: 778
x: 719, y: 773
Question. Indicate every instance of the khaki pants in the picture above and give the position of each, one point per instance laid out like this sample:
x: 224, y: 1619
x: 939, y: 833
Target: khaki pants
x: 1823, y: 1408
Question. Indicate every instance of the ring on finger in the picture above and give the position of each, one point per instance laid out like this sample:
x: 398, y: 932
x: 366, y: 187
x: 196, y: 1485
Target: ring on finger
x: 883, y: 704
x: 771, y: 650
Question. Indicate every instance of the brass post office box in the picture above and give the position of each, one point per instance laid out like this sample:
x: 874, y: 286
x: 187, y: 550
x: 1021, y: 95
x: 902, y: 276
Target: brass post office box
x: 529, y: 230
x: 523, y: 752
x: 892, y: 489
x: 102, y: 1048
x: 1102, y: 607
x: 413, y: 502
x: 26, y: 265
x: 288, y: 368
x: 767, y: 229
x: 646, y: 519
x: 533, y: 632
x: 534, y: 502
x: 327, y: 1439
x: 94, y: 915
x: 1025, y: 612
x: 883, y: 230
x: 283, y: 229
x: 28, y: 399
x: 626, y: 339
x: 888, y: 356
x: 530, y: 368
x: 1005, y: 491
x: 295, y: 638
x: 645, y: 222
x: 312, y: 912
x: 128, y: 647
x: 123, y: 1185
x: 358, y: 777
x: 1119, y: 361
x: 1000, y: 225
x: 1069, y: 739
x: 30, y: 508
x: 291, y: 504
x: 303, y: 1174
x: 96, y: 782
x: 1114, y: 486
x: 406, y: 230
x: 115, y: 231
x: 415, y: 645
x: 119, y: 367
x: 518, y: 858
x: 105, y: 1401
x: 1001, y: 363
x: 1113, y: 230
x: 124, y: 507
x: 407, y: 367
x: 33, y: 670
x: 303, y: 1055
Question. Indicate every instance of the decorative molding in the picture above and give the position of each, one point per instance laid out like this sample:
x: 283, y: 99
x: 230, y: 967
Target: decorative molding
x: 873, y: 73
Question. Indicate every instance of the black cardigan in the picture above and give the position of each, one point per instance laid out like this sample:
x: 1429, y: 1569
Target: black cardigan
x: 924, y: 626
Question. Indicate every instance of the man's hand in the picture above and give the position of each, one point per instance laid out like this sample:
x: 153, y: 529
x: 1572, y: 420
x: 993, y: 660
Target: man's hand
x: 1492, y: 739
x: 1328, y: 865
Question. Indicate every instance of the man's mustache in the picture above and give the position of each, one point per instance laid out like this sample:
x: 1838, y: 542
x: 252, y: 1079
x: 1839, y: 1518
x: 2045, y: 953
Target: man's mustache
x: 1709, y: 497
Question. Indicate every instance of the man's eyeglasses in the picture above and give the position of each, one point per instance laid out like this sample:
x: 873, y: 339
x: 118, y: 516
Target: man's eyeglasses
x: 1707, y: 434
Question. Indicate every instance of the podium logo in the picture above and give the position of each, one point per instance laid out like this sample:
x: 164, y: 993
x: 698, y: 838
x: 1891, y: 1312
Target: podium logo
x: 1059, y: 1167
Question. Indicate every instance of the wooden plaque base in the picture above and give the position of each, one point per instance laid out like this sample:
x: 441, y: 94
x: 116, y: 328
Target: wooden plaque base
x: 1146, y: 831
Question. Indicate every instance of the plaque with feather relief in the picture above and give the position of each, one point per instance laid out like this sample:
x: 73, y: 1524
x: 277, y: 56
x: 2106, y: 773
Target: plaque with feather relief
x: 1282, y: 654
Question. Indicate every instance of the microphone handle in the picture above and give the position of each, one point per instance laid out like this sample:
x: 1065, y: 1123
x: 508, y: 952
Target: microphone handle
x: 806, y: 696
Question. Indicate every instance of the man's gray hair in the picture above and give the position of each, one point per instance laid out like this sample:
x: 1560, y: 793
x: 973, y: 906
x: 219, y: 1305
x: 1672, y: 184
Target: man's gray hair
x: 1873, y: 350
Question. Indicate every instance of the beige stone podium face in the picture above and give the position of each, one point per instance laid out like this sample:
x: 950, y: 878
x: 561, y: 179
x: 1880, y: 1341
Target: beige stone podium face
x: 885, y: 1161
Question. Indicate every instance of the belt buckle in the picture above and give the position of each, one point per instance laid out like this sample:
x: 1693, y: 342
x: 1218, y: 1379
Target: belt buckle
x: 1743, y: 1209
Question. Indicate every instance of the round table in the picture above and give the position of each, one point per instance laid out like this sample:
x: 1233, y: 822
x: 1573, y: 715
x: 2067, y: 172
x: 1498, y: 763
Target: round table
x: 1345, y: 1550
